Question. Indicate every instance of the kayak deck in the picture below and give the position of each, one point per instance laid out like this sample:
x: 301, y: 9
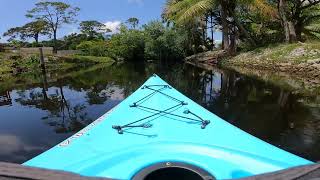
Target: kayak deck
x: 159, y: 124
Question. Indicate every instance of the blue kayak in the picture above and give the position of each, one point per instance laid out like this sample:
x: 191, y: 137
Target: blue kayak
x: 158, y: 132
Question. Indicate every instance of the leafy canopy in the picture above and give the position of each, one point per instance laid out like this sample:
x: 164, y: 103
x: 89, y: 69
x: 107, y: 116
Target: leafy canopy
x: 54, y: 13
x: 93, y: 29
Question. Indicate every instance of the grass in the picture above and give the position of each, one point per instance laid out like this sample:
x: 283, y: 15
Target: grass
x: 11, y: 63
x: 88, y: 59
x: 281, y: 53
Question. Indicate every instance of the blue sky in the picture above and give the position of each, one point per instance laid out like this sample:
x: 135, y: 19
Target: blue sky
x: 110, y: 12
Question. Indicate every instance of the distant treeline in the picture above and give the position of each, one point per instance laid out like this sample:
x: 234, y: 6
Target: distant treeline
x: 187, y: 27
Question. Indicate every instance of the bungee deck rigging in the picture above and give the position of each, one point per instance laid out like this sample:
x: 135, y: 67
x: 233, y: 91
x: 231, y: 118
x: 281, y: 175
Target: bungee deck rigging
x: 157, y: 118
x: 157, y: 112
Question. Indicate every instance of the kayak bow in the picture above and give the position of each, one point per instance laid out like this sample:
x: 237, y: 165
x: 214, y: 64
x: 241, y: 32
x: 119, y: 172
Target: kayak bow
x: 158, y: 128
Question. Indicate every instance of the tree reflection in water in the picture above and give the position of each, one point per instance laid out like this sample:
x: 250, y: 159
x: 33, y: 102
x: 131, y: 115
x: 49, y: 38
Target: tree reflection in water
x: 69, y: 101
x: 282, y: 117
x: 62, y: 115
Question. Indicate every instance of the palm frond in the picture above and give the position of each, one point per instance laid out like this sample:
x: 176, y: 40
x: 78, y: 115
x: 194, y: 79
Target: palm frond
x: 184, y: 11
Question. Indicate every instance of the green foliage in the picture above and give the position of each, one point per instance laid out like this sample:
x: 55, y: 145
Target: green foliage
x: 93, y: 29
x: 154, y: 41
x: 128, y: 44
x: 54, y: 13
x: 29, y: 30
x: 186, y: 11
x: 164, y: 42
x: 93, y: 59
x: 93, y: 48
x: 311, y: 19
x: 59, y: 44
x: 133, y: 22
x: 13, y: 33
x: 71, y: 41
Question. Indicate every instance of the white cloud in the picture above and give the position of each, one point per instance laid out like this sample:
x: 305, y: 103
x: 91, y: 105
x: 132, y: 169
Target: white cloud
x: 113, y: 26
x: 70, y: 29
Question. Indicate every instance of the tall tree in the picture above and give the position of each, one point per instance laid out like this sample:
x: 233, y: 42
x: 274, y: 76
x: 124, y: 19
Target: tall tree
x: 35, y: 29
x: 55, y: 14
x: 30, y: 30
x: 309, y: 23
x: 133, y: 22
x: 93, y: 29
x: 13, y: 33
x: 286, y: 20
x: 306, y: 18
x: 184, y: 11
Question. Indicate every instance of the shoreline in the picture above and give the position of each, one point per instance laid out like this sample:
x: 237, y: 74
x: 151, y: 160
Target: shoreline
x: 296, y: 66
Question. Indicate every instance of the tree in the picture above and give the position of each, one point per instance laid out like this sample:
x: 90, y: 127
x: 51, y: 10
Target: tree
x: 133, y: 22
x: 224, y: 11
x: 286, y: 21
x: 34, y: 29
x: 30, y: 30
x: 309, y: 23
x: 128, y: 44
x: 305, y: 15
x: 164, y: 43
x: 55, y: 14
x: 72, y: 40
x: 13, y: 33
x: 93, y: 29
x: 186, y: 11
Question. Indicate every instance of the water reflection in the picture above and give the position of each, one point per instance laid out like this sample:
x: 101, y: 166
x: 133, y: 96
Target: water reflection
x: 44, y: 111
x: 271, y: 113
x: 5, y: 99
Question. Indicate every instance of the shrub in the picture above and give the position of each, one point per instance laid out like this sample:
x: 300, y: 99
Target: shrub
x: 128, y: 45
x: 93, y: 48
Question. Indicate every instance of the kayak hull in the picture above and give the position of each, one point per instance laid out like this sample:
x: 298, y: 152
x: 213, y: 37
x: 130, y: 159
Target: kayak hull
x: 176, y: 135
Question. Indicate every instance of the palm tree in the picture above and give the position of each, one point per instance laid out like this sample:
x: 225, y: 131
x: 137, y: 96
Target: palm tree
x: 309, y: 23
x: 185, y: 11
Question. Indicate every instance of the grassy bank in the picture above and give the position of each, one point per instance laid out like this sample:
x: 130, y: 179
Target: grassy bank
x: 280, y: 53
x: 299, y: 60
x: 296, y: 66
x: 17, y: 71
x: 11, y: 63
x: 87, y: 59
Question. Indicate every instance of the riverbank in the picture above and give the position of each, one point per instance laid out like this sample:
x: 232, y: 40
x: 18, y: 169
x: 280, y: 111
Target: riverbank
x: 22, y: 71
x: 301, y: 60
x: 13, y: 64
x: 294, y: 66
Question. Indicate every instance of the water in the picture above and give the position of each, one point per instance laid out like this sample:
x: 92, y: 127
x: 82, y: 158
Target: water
x: 37, y: 111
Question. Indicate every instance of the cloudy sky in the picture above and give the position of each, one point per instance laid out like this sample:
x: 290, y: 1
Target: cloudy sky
x: 110, y: 12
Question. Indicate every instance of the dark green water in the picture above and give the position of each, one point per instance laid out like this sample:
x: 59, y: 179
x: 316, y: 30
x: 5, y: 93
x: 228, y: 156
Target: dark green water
x: 37, y: 112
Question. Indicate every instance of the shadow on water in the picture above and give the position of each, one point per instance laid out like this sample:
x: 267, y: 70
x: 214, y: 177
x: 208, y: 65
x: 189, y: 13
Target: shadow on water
x: 37, y: 111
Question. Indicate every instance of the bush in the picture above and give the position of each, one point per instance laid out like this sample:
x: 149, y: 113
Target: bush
x: 93, y: 48
x: 128, y: 45
x: 164, y: 42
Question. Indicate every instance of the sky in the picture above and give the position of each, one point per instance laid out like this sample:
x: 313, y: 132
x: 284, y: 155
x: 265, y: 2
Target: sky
x: 109, y: 12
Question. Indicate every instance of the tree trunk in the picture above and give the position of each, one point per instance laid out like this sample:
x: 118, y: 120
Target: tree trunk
x: 204, y: 30
x: 233, y: 43
x: 55, y: 41
x: 212, y: 30
x: 299, y: 21
x: 225, y: 28
x: 299, y: 28
x: 232, y: 28
x: 36, y: 38
x: 288, y: 25
x: 244, y: 31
